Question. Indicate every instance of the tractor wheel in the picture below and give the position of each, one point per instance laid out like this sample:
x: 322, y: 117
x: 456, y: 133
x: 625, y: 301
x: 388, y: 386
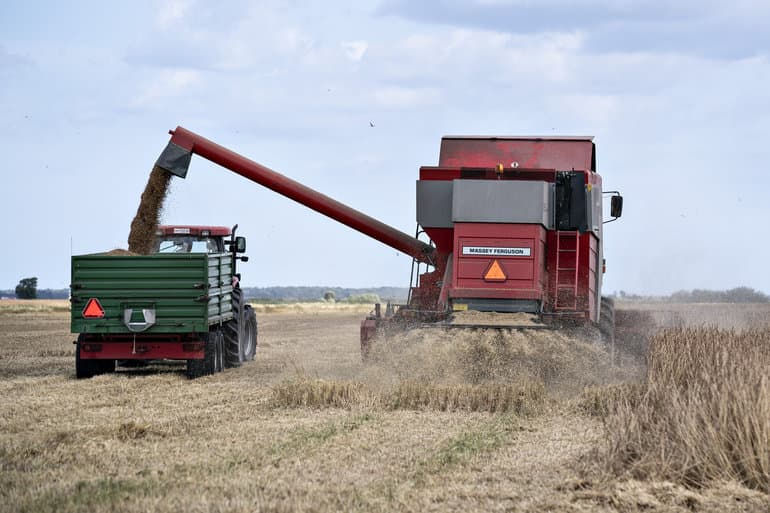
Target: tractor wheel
x: 208, y: 365
x: 233, y: 329
x: 250, y: 334
x: 87, y: 368
x: 607, y: 325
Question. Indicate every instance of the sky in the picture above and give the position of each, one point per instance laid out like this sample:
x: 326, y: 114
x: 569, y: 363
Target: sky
x: 675, y: 93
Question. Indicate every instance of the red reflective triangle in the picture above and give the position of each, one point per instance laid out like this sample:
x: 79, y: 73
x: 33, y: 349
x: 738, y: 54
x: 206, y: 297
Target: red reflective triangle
x: 495, y: 272
x: 93, y: 309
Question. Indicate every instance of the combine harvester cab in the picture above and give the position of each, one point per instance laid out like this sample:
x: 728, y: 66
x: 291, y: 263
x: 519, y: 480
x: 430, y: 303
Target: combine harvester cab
x: 182, y: 302
x: 515, y: 227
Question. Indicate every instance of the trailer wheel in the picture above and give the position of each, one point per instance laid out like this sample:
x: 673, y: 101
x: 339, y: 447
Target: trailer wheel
x: 607, y: 325
x: 250, y: 333
x: 208, y: 365
x: 87, y: 368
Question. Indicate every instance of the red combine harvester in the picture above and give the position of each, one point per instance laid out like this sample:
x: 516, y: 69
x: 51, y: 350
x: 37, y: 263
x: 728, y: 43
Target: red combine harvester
x: 515, y: 225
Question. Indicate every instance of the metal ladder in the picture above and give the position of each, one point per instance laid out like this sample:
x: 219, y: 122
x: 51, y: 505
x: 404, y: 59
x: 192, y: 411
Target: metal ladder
x: 566, y: 296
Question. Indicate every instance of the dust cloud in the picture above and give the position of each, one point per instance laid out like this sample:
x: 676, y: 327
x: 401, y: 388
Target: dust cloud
x: 563, y: 360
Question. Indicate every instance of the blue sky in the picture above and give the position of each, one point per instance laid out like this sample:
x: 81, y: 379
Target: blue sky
x: 676, y: 94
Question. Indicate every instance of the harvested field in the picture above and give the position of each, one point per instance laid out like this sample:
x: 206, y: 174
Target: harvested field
x: 147, y: 218
x: 309, y: 427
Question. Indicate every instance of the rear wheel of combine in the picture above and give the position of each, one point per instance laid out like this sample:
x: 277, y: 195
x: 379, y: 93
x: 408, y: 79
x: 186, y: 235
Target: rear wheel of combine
x: 607, y: 325
x: 211, y: 354
x: 87, y: 368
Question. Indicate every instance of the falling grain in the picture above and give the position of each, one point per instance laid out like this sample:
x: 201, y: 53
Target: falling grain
x: 145, y: 223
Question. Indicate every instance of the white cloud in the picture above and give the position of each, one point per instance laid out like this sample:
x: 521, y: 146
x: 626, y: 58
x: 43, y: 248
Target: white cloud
x: 595, y: 110
x: 172, y: 11
x: 168, y: 84
x: 355, y: 50
x: 405, y: 97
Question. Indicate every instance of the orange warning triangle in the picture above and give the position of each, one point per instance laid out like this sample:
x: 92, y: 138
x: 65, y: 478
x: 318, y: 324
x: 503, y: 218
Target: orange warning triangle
x: 495, y: 272
x: 93, y: 309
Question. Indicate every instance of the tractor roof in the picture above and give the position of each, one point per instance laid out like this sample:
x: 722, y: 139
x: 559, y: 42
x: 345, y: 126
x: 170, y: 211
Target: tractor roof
x: 178, y: 229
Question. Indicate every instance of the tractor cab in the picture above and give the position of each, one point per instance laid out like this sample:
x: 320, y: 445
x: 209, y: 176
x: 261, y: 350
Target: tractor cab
x: 191, y: 239
x: 197, y: 239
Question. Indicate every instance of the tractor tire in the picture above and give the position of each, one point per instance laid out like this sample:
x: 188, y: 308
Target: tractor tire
x: 211, y: 354
x: 240, y: 333
x: 233, y: 332
x: 607, y: 325
x: 250, y: 334
x: 219, y: 365
x: 87, y: 368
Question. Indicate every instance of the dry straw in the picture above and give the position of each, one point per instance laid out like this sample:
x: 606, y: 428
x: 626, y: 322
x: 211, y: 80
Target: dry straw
x: 525, y: 398
x: 703, y: 414
x: 317, y: 393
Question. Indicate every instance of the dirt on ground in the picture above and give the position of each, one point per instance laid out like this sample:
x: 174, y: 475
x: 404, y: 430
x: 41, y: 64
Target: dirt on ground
x: 149, y: 439
x: 147, y: 218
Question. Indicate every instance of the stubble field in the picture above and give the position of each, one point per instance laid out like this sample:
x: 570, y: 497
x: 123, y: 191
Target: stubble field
x: 433, y: 423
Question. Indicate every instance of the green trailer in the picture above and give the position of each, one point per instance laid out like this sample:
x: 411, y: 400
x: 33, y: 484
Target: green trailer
x: 181, y: 303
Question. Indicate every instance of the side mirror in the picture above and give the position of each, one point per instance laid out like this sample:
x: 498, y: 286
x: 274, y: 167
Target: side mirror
x: 240, y: 244
x: 616, y: 206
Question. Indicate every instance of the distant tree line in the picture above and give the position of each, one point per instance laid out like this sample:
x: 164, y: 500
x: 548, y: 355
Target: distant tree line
x: 734, y: 295
x: 350, y: 295
x: 399, y: 294
x: 39, y: 294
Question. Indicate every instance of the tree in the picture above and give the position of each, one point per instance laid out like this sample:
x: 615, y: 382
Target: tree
x: 363, y: 298
x: 27, y: 288
x: 330, y: 296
